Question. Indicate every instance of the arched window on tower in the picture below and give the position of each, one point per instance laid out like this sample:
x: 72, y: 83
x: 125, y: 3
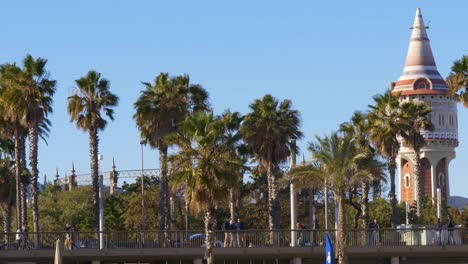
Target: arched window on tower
x: 407, y: 181
x: 421, y: 84
x: 441, y: 179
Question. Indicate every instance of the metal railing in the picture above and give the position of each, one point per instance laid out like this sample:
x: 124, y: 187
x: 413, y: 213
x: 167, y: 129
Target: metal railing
x: 234, y: 238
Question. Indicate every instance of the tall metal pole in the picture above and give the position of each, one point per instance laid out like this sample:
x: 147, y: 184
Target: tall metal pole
x: 326, y: 204
x: 438, y: 202
x: 406, y: 212
x: 101, y: 205
x: 142, y: 189
x: 293, y: 200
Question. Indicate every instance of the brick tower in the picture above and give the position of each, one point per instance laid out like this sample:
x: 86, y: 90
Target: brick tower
x: 422, y: 82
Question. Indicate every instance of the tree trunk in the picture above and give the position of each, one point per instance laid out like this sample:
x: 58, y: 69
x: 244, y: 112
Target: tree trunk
x: 312, y: 210
x: 210, y: 223
x: 418, y: 181
x: 365, y: 204
x: 188, y: 200
x: 377, y: 190
x: 162, y: 186
x: 93, y: 153
x: 341, y: 237
x: 391, y: 161
x: 276, y: 202
x: 33, y: 149
x: 6, y: 213
x: 232, y: 203
x: 18, y: 179
x: 24, y: 184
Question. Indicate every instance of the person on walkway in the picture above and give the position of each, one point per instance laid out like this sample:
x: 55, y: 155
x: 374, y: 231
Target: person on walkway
x: 233, y: 233
x: 226, y: 227
x: 19, y: 238
x: 375, y: 226
x: 240, y: 233
x: 70, y: 237
x: 299, y: 235
x: 450, y: 227
x: 439, y: 231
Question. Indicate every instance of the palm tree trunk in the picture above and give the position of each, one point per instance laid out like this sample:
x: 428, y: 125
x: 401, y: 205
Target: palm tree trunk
x: 6, y: 213
x: 33, y: 149
x: 188, y: 200
x: 391, y: 161
x: 18, y: 179
x: 418, y: 180
x: 163, y: 191
x: 312, y: 209
x: 365, y: 204
x: 210, y: 223
x: 24, y: 184
x: 232, y: 203
x: 341, y: 237
x: 377, y: 190
x: 93, y: 155
x: 276, y: 202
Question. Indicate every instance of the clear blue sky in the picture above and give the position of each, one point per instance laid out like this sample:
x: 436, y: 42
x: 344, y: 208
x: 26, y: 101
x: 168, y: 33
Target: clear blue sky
x: 329, y: 57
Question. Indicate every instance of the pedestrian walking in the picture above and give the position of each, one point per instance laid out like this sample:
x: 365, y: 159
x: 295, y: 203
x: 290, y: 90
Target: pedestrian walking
x: 375, y: 226
x: 240, y: 233
x: 226, y: 227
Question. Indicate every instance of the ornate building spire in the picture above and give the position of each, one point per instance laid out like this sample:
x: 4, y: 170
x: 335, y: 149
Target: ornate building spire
x: 420, y: 75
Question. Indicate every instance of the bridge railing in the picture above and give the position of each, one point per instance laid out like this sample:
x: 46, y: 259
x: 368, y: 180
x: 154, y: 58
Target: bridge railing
x: 234, y: 238
x: 411, y: 236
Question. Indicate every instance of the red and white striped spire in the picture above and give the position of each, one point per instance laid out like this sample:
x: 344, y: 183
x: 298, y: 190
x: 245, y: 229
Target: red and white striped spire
x: 420, y: 75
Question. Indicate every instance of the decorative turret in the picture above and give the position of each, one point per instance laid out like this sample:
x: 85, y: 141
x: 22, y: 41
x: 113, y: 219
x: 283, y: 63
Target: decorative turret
x: 420, y: 75
x: 422, y: 82
x: 113, y: 179
x: 57, y: 181
x: 72, y: 183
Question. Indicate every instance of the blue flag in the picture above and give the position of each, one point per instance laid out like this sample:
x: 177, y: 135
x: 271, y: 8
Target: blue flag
x: 329, y: 255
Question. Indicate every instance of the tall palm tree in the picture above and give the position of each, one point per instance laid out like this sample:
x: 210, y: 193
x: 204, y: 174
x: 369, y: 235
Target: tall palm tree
x: 11, y: 77
x: 358, y: 128
x: 336, y: 160
x: 417, y: 115
x: 267, y: 132
x: 458, y: 80
x: 387, y: 123
x: 160, y: 107
x: 203, y: 142
x: 88, y: 107
x: 31, y: 101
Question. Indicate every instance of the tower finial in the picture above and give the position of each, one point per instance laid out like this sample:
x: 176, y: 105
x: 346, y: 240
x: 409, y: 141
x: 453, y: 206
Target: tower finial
x: 113, y: 163
x: 73, y: 168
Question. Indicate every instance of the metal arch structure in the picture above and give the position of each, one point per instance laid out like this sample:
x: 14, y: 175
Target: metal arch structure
x: 85, y: 179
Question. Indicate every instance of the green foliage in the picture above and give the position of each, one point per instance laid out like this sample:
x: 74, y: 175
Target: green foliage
x: 57, y: 208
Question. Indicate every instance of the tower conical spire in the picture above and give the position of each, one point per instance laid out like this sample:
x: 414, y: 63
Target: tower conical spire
x: 420, y: 75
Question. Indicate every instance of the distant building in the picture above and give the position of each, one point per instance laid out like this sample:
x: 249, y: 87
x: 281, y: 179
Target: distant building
x: 421, y: 81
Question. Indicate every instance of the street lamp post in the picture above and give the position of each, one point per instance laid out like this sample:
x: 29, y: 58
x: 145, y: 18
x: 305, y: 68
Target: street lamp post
x: 293, y: 200
x: 438, y: 202
x: 101, y: 204
x: 142, y: 189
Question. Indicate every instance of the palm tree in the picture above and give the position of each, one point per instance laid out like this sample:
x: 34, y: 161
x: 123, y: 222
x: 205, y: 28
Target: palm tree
x: 31, y: 101
x: 387, y: 123
x: 458, y: 80
x: 233, y: 120
x: 11, y: 77
x: 203, y: 142
x: 160, y: 107
x: 359, y: 130
x: 7, y: 194
x: 417, y: 115
x: 267, y: 132
x: 87, y: 107
x: 336, y: 160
